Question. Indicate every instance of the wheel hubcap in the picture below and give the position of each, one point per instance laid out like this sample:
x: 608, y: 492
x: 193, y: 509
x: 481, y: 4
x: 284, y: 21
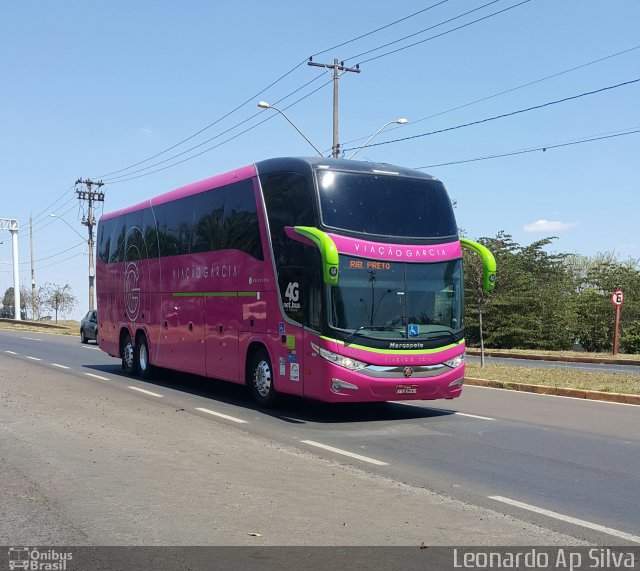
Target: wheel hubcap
x: 128, y: 354
x: 262, y: 379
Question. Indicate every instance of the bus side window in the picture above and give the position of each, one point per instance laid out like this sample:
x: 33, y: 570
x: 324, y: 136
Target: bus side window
x: 150, y: 233
x: 105, y: 228
x: 116, y: 248
x: 134, y: 248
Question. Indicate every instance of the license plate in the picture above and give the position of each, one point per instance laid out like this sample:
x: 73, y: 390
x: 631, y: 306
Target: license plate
x: 406, y: 389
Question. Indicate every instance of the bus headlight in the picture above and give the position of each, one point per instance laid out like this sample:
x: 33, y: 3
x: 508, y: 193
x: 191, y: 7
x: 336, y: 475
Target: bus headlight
x: 340, y: 360
x: 455, y: 362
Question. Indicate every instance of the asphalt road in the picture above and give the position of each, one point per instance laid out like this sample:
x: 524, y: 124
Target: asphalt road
x: 603, y: 367
x: 89, y: 456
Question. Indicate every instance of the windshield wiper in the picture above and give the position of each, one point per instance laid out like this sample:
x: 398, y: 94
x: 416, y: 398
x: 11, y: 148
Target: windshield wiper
x: 444, y: 333
x: 370, y: 328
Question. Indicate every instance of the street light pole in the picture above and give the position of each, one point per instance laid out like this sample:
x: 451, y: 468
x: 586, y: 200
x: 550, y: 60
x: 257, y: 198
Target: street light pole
x: 33, y: 272
x: 265, y: 105
x: 401, y: 121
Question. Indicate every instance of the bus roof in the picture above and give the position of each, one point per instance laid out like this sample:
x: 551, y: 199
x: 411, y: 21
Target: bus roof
x: 294, y: 164
x: 302, y: 164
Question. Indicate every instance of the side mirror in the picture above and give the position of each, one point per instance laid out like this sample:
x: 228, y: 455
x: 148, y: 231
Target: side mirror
x: 488, y: 261
x: 327, y: 247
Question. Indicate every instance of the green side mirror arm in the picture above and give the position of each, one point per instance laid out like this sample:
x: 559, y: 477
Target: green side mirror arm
x: 328, y: 251
x: 488, y: 261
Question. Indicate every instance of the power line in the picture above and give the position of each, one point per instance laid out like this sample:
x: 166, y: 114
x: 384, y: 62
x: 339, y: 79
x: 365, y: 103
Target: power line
x: 49, y: 257
x: 444, y: 33
x: 223, y: 142
x: 46, y: 222
x: 380, y: 28
x: 503, y: 115
x: 422, y: 31
x: 110, y: 180
x: 543, y: 148
x: 54, y: 203
x: 254, y: 97
x: 510, y: 90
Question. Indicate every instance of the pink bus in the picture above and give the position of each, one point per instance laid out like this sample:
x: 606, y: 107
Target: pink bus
x: 330, y: 279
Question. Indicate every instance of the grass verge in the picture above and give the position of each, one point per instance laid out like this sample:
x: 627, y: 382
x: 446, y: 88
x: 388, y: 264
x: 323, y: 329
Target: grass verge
x: 558, y: 377
x: 72, y: 327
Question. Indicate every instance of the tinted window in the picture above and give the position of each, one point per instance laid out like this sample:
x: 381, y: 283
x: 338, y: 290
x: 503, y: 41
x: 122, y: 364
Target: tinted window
x: 116, y: 249
x: 105, y: 227
x: 224, y: 218
x: 289, y: 199
x: 150, y: 233
x: 208, y: 232
x: 134, y: 248
x: 168, y: 239
x: 241, y: 229
x: 385, y: 205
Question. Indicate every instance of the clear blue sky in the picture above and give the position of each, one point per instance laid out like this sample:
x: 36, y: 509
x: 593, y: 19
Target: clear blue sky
x: 89, y: 88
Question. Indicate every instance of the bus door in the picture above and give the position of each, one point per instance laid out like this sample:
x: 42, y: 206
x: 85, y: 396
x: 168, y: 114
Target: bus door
x: 221, y: 335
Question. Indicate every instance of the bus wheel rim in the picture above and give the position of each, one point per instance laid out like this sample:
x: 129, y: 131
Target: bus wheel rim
x: 263, y: 379
x: 128, y: 354
x: 143, y: 357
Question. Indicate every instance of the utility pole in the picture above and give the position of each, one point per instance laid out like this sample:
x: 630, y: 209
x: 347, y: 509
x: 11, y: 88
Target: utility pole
x: 33, y: 272
x: 90, y: 196
x: 11, y: 224
x: 336, y: 66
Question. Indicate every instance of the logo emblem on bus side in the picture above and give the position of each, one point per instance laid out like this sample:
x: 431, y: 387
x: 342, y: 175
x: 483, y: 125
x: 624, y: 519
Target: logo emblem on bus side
x: 408, y: 371
x: 131, y: 291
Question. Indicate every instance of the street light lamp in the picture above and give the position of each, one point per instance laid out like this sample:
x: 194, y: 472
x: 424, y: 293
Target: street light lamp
x: 72, y: 228
x: 401, y: 121
x: 265, y: 105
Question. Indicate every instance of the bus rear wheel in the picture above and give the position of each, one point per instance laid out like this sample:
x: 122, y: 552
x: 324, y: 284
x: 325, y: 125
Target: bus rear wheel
x: 128, y: 352
x: 141, y: 354
x: 260, y: 379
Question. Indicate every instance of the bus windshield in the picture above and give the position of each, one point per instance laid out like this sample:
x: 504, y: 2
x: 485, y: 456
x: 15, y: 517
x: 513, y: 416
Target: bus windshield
x: 397, y: 300
x: 383, y: 205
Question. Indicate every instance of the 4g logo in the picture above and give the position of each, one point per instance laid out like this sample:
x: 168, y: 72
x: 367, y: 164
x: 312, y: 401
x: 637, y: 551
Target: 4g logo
x: 293, y: 291
x: 292, y: 297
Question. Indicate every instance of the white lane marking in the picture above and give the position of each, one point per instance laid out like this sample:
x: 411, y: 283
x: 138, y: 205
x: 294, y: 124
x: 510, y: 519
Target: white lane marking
x: 93, y: 348
x: 11, y: 352
x: 474, y: 416
x: 594, y: 401
x: 60, y: 366
x: 34, y: 358
x: 437, y: 409
x: 31, y: 338
x: 568, y: 519
x: 146, y: 392
x: 345, y: 453
x: 214, y: 413
x: 97, y: 376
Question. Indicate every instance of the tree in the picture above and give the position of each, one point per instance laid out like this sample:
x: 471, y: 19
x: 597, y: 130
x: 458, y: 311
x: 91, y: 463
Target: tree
x: 35, y: 301
x: 59, y: 299
x: 529, y: 307
x: 8, y: 301
x: 595, y: 280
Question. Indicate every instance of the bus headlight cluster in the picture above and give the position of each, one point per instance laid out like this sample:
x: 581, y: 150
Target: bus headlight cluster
x: 340, y: 360
x: 455, y: 362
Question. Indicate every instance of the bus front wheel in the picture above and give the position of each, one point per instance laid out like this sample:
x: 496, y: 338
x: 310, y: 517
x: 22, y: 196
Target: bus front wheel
x: 260, y: 379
